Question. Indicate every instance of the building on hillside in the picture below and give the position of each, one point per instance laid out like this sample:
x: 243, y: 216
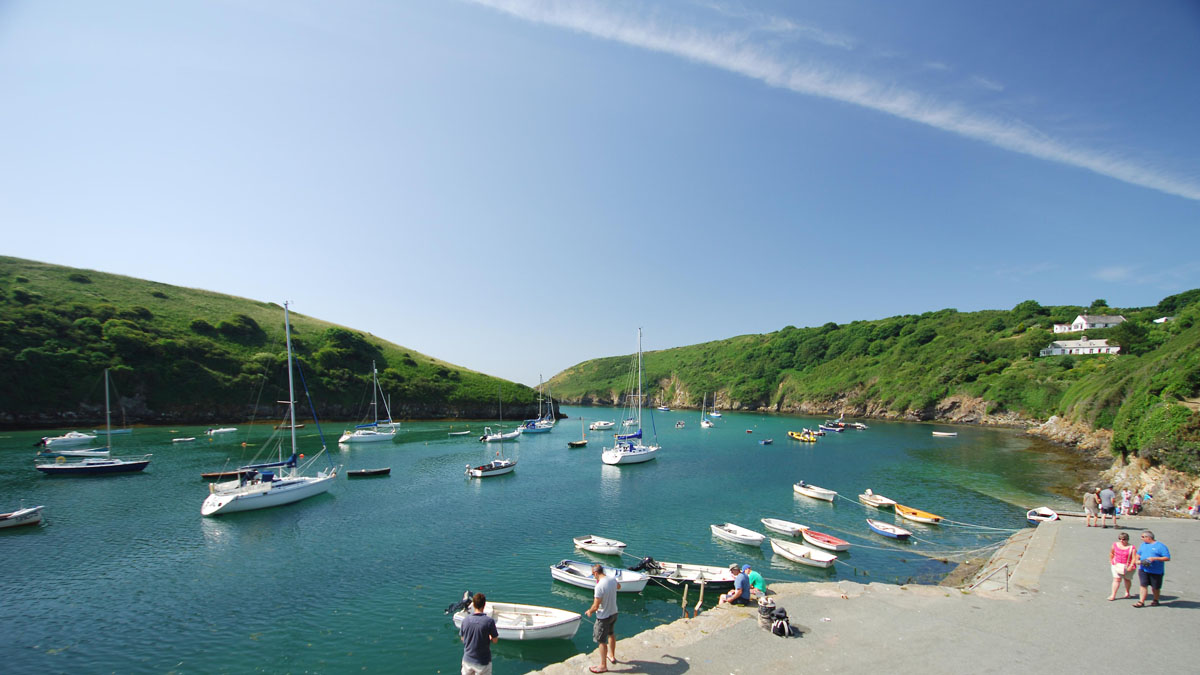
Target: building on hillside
x: 1089, y: 322
x: 1080, y: 346
x: 1164, y: 319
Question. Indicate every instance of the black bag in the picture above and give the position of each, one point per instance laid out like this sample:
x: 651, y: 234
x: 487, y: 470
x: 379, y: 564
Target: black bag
x: 779, y: 623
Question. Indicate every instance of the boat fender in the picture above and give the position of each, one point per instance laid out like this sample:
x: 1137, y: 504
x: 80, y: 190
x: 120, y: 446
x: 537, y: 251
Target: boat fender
x: 460, y: 605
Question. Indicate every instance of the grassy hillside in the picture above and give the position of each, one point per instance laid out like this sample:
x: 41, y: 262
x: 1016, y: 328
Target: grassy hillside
x: 183, y: 354
x: 907, y: 365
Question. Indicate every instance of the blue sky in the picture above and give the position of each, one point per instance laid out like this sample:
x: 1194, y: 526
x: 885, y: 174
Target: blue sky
x: 516, y: 186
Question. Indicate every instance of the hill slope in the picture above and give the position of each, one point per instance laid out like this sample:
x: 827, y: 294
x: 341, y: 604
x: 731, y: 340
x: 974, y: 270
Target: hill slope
x: 947, y: 365
x: 186, y: 355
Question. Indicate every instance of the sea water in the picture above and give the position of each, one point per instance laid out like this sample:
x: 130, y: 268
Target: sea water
x: 126, y: 576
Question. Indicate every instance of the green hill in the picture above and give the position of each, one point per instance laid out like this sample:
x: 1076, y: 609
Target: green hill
x: 186, y: 355
x: 923, y: 366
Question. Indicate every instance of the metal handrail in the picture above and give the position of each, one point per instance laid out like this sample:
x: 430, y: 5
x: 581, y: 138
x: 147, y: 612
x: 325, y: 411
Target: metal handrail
x: 1007, y: 574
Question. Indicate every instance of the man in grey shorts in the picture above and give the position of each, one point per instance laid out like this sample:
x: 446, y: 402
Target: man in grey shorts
x: 604, y: 606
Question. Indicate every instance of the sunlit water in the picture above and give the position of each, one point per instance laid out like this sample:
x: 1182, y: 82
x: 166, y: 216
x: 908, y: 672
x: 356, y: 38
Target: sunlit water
x: 126, y: 576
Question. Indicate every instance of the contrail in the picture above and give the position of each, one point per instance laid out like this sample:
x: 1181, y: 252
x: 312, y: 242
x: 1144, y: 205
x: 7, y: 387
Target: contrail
x: 735, y: 53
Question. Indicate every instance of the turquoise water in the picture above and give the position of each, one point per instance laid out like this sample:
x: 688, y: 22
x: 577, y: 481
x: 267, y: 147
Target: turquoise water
x: 126, y: 576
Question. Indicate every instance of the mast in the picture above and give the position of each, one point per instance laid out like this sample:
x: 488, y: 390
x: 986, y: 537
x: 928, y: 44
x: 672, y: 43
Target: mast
x: 639, y: 378
x: 375, y: 393
x: 107, y: 415
x: 287, y: 329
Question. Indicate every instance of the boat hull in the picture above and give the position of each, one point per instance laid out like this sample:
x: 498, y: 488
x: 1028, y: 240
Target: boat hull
x: 369, y: 473
x: 366, y: 437
x: 599, y: 545
x: 92, y: 469
x: 528, y: 622
x: 783, y: 526
x: 877, y: 501
x: 579, y: 574
x: 1041, y: 514
x: 803, y: 555
x: 636, y: 456
x: 497, y: 468
x: 916, y: 515
x: 278, y: 493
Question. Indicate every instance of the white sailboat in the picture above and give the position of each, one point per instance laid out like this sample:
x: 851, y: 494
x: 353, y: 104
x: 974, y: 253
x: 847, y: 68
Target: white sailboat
x: 629, y: 448
x: 375, y: 431
x: 260, y: 488
x: 96, y: 460
x: 501, y: 464
x: 705, y: 423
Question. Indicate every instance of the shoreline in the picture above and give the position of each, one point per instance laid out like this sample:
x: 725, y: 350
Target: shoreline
x: 1057, y: 583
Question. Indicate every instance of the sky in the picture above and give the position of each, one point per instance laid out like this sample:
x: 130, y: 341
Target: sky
x: 515, y: 186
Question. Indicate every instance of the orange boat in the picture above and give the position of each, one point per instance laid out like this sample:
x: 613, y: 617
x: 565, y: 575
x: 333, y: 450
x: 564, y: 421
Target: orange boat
x: 917, y: 515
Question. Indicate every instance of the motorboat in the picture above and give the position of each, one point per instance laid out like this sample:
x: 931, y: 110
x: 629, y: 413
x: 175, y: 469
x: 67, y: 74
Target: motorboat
x: 499, y: 436
x: 804, y: 436
x: 600, y: 545
x: 579, y: 573
x: 805, y: 555
x: 766, y: 441
x: 878, y: 501
x: 526, y: 622
x: 496, y: 467
x: 888, y: 530
x: 22, y: 516
x: 737, y: 534
x: 1042, y: 514
x: 67, y: 440
x: 663, y: 408
x: 91, y: 452
x: 220, y: 431
x: 916, y: 515
x: 601, y: 425
x: 826, y: 427
x: 673, y: 573
x: 814, y: 491
x: 825, y: 541
x: 783, y: 526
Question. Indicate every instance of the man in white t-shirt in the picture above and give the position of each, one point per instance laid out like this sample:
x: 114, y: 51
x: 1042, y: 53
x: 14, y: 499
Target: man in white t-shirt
x: 604, y: 606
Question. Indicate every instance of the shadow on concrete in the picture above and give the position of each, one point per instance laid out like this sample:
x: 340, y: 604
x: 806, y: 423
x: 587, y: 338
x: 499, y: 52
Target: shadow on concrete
x: 651, y: 667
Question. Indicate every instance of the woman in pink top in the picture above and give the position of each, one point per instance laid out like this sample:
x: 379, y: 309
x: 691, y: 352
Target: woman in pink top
x: 1120, y: 557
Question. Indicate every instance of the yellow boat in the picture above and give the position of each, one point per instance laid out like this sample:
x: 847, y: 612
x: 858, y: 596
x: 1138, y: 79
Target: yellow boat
x: 917, y: 515
x: 802, y: 436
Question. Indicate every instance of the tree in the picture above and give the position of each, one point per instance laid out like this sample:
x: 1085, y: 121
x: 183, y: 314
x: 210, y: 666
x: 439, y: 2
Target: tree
x: 1098, y: 303
x: 1132, y: 337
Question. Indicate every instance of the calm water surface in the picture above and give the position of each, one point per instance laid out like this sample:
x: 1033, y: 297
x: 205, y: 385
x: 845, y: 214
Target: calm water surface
x: 126, y: 576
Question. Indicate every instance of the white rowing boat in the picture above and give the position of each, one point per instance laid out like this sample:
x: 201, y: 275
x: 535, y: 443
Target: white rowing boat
x: 579, y: 573
x: 527, y: 622
x: 878, y: 501
x: 600, y: 545
x: 737, y: 534
x: 23, y: 516
x: 945, y: 434
x: 783, y: 526
x: 1042, y: 514
x: 814, y: 491
x: 802, y: 554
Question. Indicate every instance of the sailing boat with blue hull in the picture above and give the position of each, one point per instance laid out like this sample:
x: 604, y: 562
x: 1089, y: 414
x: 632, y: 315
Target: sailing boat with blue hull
x: 268, y: 484
x: 96, y: 461
x: 629, y: 448
x: 372, y: 432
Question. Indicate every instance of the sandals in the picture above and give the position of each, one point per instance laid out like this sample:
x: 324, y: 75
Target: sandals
x: 1139, y: 603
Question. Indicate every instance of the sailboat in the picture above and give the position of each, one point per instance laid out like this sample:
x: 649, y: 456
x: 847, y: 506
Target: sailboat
x: 545, y: 421
x: 628, y: 448
x: 501, y: 465
x: 260, y: 488
x: 705, y: 423
x: 100, y: 461
x: 372, y: 432
x: 582, y: 437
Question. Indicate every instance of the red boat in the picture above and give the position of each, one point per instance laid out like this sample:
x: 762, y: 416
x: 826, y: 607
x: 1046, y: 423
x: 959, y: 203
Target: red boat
x: 825, y: 541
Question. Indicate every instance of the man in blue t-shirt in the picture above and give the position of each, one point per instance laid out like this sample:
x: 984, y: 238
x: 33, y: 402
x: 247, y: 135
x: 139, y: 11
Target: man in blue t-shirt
x: 740, y: 595
x: 1150, y: 557
x: 478, y: 632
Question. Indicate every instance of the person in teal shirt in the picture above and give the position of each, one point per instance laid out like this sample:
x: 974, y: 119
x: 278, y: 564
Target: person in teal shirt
x: 758, y: 587
x: 1151, y: 556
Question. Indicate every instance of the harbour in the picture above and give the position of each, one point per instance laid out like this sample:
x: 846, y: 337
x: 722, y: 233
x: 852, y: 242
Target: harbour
x: 362, y: 574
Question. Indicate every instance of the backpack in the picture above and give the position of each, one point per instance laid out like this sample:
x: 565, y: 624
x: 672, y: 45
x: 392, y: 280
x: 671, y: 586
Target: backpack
x: 779, y: 623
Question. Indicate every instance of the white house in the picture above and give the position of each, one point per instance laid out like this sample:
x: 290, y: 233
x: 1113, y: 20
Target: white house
x: 1088, y: 322
x: 1080, y: 346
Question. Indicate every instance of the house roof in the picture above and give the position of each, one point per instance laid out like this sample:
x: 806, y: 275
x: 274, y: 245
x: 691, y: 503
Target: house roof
x: 1102, y: 318
x: 1078, y: 344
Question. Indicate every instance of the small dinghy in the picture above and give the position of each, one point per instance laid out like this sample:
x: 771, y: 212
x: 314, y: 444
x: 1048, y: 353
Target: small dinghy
x: 458, y: 433
x: 185, y: 439
x: 737, y: 534
x: 783, y: 527
x: 1042, y: 514
x: 680, y: 424
x: 802, y: 554
x: 579, y: 573
x: 917, y: 515
x: 878, y: 501
x: 825, y: 541
x: 222, y: 430
x: 766, y: 441
x: 526, y: 622
x: 805, y: 436
x: 824, y: 427
x: 601, y: 545
x: 673, y: 573
x: 368, y: 473
x: 577, y: 444
x: 945, y: 434
x: 814, y: 491
x: 499, y: 436
x: 496, y: 467
x: 29, y: 516
x: 888, y: 530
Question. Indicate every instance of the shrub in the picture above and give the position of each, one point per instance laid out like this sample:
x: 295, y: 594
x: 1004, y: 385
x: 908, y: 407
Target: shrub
x: 79, y: 278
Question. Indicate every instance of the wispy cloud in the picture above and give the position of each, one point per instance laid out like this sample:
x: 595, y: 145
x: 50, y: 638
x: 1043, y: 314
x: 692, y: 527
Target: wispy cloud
x: 1114, y: 273
x: 990, y: 85
x: 736, y: 53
